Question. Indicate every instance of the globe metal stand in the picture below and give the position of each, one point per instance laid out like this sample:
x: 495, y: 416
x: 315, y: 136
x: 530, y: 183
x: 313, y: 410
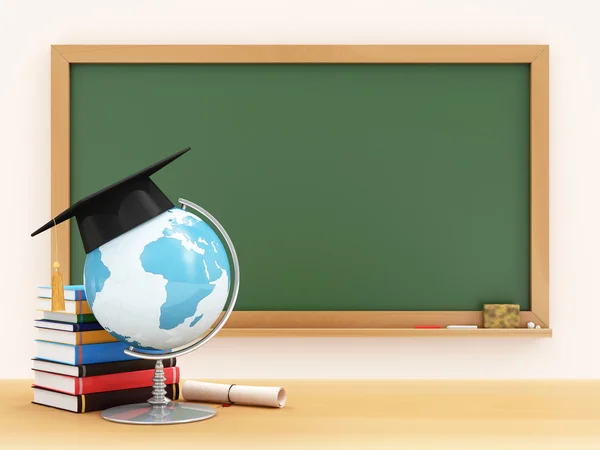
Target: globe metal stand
x: 160, y: 410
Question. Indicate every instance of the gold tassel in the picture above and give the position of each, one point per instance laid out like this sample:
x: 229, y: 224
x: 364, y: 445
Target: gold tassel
x: 58, y: 288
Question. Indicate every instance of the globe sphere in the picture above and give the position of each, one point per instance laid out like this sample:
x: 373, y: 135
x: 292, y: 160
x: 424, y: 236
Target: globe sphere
x: 161, y: 285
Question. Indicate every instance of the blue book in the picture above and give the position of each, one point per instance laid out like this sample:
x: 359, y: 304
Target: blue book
x: 64, y: 326
x: 82, y: 354
x: 76, y: 355
x: 74, y: 292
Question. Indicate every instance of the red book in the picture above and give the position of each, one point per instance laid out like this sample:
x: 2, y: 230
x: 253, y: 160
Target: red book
x: 102, y: 383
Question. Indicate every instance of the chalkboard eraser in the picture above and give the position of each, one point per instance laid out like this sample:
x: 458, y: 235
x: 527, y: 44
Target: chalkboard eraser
x: 461, y: 327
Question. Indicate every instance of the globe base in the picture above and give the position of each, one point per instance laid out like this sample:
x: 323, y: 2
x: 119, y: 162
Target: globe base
x: 147, y: 414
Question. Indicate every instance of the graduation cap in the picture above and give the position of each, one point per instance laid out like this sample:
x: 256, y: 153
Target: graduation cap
x: 109, y: 213
x: 118, y: 208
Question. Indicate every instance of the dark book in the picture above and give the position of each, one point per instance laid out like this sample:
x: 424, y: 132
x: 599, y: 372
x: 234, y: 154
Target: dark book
x: 63, y: 326
x: 99, y: 401
x: 92, y: 370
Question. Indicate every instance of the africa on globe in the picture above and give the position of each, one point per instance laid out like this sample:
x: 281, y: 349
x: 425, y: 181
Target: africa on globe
x: 160, y: 285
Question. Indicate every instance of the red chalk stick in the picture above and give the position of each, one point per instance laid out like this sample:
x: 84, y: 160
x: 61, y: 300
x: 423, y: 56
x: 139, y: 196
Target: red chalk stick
x: 427, y: 327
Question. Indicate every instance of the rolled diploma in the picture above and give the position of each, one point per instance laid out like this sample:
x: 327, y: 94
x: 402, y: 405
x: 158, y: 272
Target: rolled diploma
x: 244, y: 395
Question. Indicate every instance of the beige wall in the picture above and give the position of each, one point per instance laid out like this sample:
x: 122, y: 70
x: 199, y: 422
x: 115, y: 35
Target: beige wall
x: 27, y: 28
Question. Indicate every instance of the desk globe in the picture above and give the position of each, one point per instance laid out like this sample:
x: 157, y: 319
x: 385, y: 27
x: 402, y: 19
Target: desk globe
x: 156, y: 277
x: 160, y: 286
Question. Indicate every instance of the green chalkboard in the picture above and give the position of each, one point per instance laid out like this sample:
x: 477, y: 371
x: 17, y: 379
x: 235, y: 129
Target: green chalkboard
x: 343, y: 186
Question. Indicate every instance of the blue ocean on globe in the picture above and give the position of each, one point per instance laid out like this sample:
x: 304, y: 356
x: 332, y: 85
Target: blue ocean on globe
x: 162, y: 284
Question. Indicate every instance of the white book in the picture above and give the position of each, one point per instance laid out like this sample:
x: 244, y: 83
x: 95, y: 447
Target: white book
x: 62, y: 337
x: 75, y: 338
x: 49, y: 366
x: 75, y: 292
x: 56, y: 399
x: 71, y: 306
x: 60, y: 317
x: 56, y: 382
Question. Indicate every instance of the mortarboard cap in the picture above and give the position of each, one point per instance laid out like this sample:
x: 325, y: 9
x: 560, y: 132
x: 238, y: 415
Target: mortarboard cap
x: 118, y: 208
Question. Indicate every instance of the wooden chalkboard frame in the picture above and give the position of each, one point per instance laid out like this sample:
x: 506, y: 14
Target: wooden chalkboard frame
x: 333, y: 323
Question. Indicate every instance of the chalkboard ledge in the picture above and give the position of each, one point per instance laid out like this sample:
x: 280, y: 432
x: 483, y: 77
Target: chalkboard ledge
x: 524, y: 333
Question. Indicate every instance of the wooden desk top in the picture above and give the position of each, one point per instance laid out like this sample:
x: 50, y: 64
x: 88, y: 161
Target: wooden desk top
x: 339, y: 415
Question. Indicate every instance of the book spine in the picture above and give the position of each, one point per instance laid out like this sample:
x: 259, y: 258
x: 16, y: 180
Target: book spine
x: 105, y: 400
x: 121, y: 381
x: 83, y: 307
x: 94, y: 337
x: 101, y: 353
x: 86, y: 318
x: 94, y: 326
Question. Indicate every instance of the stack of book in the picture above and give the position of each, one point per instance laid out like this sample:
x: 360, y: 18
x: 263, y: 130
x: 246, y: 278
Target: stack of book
x: 81, y: 367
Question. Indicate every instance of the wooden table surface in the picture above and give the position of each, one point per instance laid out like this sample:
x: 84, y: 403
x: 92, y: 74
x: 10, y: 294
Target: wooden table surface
x: 339, y: 415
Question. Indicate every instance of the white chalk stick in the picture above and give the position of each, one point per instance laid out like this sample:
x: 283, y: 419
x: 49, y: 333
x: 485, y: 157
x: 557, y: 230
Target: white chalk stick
x: 461, y: 327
